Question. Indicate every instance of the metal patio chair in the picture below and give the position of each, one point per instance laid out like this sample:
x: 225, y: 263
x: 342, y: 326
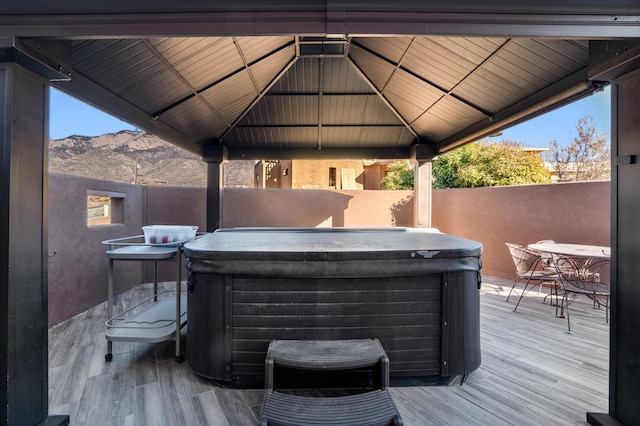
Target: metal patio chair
x: 583, y: 275
x: 547, y: 264
x: 530, y: 269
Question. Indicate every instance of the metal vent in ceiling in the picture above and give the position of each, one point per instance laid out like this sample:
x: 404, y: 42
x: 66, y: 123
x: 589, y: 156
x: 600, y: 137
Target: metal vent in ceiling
x: 323, y: 47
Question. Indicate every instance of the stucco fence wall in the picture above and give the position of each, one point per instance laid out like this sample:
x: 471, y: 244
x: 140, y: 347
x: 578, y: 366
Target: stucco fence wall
x: 78, y: 265
x: 577, y: 212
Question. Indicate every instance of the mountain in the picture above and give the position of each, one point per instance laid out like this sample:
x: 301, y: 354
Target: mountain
x: 115, y: 157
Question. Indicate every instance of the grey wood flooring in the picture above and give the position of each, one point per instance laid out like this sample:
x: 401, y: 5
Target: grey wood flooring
x: 532, y: 372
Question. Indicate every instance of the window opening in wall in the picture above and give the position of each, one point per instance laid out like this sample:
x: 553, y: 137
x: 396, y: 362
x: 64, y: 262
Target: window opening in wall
x: 332, y: 177
x: 104, y: 208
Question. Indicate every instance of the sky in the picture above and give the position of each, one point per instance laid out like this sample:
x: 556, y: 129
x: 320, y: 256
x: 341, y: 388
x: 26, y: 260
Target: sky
x: 69, y: 116
x: 560, y: 124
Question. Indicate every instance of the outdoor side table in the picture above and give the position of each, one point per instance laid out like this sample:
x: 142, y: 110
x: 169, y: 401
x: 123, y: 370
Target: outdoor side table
x: 162, y: 318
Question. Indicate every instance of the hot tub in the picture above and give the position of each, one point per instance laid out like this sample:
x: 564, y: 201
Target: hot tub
x: 415, y: 290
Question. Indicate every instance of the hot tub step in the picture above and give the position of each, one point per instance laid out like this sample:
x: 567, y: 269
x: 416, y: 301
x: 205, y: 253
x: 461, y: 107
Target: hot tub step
x: 365, y: 409
x: 375, y: 407
x: 326, y: 355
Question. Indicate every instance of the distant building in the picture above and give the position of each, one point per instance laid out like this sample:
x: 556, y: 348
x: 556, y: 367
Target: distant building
x: 320, y: 174
x: 573, y: 172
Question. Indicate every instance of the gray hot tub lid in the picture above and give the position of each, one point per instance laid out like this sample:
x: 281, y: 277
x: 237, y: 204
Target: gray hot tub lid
x: 330, y: 244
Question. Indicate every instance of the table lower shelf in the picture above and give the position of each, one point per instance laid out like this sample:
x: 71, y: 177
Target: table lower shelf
x: 155, y: 323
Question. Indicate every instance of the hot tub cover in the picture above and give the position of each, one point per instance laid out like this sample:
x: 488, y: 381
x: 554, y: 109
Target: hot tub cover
x: 332, y: 252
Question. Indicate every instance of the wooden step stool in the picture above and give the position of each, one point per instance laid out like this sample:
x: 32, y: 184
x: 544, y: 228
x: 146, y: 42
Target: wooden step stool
x: 375, y: 407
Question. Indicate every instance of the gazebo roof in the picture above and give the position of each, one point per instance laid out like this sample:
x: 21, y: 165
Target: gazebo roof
x: 281, y: 80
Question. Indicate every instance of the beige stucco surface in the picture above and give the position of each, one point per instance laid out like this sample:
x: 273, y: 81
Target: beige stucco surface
x: 569, y: 212
x: 576, y: 212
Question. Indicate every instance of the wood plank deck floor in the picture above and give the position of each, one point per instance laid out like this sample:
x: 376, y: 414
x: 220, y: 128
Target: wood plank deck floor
x: 532, y: 372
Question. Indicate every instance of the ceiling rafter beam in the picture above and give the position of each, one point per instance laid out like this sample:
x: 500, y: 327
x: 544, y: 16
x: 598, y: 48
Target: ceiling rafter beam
x: 381, y: 153
x: 465, y: 78
x: 474, y: 71
x: 306, y: 126
x: 571, y: 88
x: 398, y: 66
x: 260, y: 96
x: 194, y: 93
x: 246, y: 65
x: 220, y: 80
x: 334, y: 94
x: 444, y: 91
x: 382, y: 97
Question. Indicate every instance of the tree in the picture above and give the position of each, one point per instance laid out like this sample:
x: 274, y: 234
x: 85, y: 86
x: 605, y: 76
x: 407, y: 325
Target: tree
x: 588, y: 157
x: 399, y: 176
x: 489, y: 164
